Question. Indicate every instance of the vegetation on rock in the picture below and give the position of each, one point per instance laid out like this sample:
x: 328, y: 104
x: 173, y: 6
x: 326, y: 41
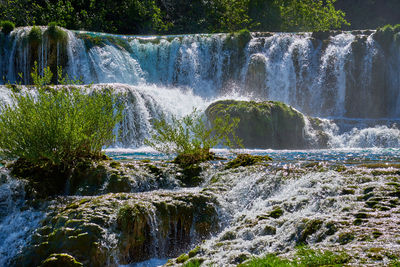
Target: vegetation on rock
x: 35, y: 35
x: 7, y: 26
x: 190, y: 138
x: 51, y: 129
x: 265, y: 124
x: 246, y: 160
x: 55, y: 32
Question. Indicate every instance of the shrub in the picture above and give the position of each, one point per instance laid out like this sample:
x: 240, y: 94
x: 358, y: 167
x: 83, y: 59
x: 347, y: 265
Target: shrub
x: 55, y: 32
x: 244, y: 36
x: 7, y: 26
x: 190, y: 138
x: 35, y: 35
x: 57, y: 125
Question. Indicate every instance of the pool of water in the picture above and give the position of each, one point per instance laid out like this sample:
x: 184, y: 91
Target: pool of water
x: 337, y: 156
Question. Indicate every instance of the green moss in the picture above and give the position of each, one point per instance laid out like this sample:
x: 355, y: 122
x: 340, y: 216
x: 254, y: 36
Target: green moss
x: 358, y: 221
x: 265, y: 124
x: 269, y: 230
x: 376, y: 234
x: 243, y: 36
x: 7, y: 27
x: 276, y: 213
x: 347, y: 191
x: 115, y: 164
x: 56, y: 260
x: 56, y: 33
x: 246, y: 160
x: 194, y: 252
x: 182, y: 258
x: 345, y: 238
x: 154, y: 170
x: 310, y: 228
x: 35, y: 35
x: 228, y: 236
x: 361, y: 215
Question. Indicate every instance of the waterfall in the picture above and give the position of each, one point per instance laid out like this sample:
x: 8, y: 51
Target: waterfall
x: 340, y: 76
x: 16, y: 223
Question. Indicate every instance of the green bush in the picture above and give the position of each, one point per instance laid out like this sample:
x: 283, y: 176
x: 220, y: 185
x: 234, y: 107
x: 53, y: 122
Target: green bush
x: 35, y: 35
x: 190, y: 138
x: 55, y: 32
x: 57, y: 125
x: 7, y: 26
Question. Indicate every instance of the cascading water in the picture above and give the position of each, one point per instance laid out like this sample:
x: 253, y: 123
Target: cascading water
x: 348, y: 79
x: 343, y: 76
x: 16, y: 223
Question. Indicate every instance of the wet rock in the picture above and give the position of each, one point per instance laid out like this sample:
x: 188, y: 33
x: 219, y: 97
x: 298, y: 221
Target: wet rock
x: 56, y: 260
x: 139, y: 224
x: 265, y: 124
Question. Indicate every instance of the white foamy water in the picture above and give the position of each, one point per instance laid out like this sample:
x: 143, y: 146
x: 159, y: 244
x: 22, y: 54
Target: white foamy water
x: 16, y: 225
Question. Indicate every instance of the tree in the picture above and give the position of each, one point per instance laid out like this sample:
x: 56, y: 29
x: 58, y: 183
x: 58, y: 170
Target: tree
x: 310, y: 15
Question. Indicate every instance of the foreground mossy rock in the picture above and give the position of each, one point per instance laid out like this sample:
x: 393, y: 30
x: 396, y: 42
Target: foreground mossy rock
x: 56, y: 260
x: 265, y: 124
x: 243, y: 160
x: 123, y: 228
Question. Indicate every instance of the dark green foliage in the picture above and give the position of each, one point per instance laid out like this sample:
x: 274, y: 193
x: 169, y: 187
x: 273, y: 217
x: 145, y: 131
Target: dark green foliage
x: 35, y: 35
x: 177, y: 16
x: 7, y: 26
x: 310, y: 15
x: 246, y: 160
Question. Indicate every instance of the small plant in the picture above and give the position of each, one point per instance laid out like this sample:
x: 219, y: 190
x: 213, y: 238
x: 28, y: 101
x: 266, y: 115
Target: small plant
x: 35, y: 35
x: 190, y: 139
x: 7, y: 26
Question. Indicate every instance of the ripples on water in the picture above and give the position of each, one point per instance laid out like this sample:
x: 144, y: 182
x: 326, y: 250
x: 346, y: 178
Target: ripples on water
x: 338, y: 156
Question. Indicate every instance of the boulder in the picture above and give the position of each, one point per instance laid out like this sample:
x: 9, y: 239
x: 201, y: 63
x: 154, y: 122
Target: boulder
x: 267, y: 124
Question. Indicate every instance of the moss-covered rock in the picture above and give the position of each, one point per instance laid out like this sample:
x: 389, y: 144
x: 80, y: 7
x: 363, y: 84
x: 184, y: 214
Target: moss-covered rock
x: 56, y: 260
x: 246, y: 160
x: 139, y: 223
x: 265, y: 124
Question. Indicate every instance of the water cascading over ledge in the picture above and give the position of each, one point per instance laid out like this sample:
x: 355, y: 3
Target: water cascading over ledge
x: 342, y: 74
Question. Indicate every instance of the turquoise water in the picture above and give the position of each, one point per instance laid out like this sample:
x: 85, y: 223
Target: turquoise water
x: 334, y: 156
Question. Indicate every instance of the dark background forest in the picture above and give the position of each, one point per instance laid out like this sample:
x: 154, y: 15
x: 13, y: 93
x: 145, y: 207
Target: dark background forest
x: 206, y: 16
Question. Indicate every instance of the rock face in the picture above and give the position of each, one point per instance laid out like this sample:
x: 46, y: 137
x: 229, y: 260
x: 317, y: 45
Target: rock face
x: 265, y: 124
x: 121, y: 228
